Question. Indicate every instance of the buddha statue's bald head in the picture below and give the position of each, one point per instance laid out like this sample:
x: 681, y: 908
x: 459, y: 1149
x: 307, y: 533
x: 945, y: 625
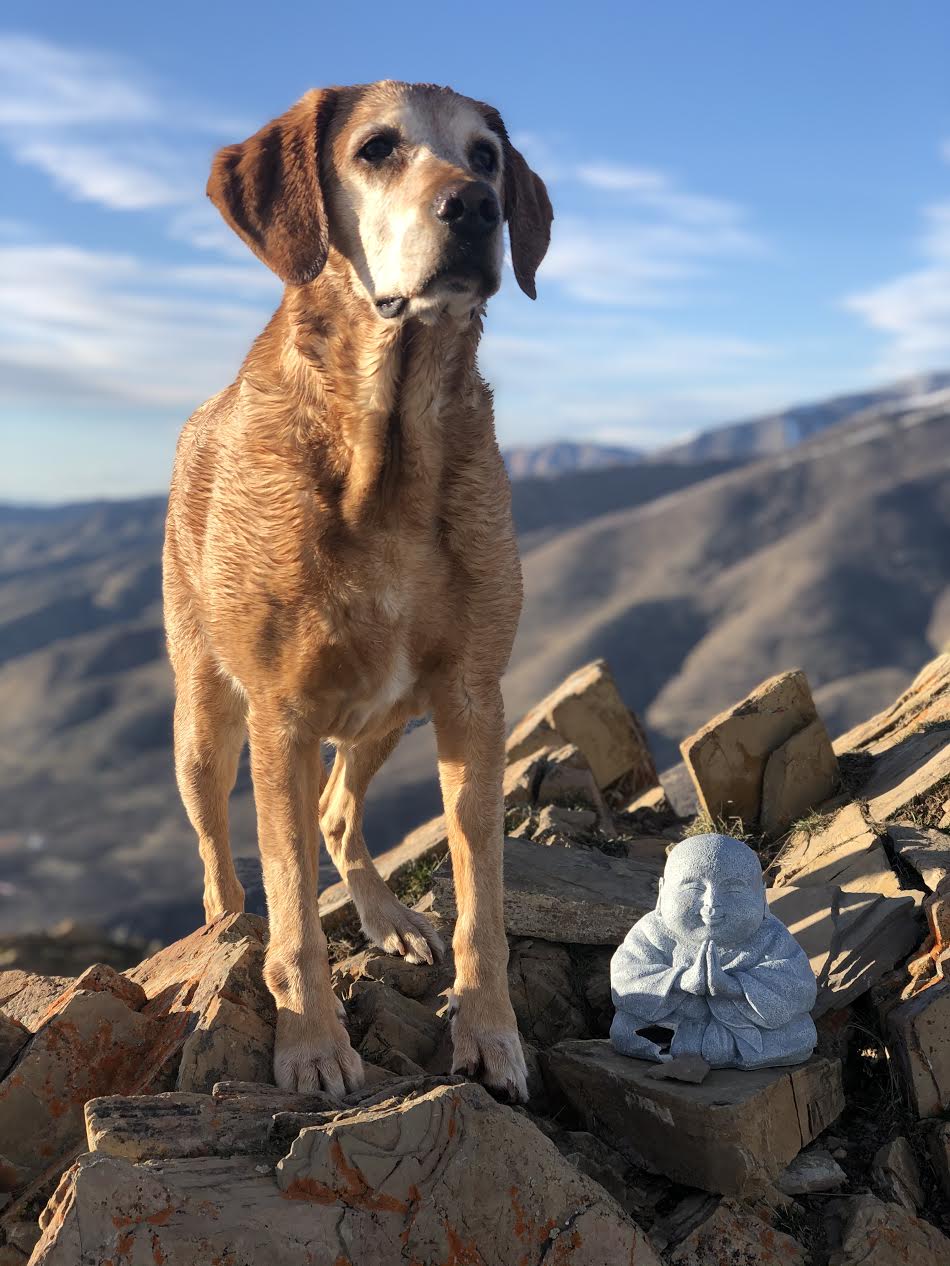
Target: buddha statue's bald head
x: 712, y: 889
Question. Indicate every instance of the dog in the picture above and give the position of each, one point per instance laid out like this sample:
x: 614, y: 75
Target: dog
x: 339, y: 552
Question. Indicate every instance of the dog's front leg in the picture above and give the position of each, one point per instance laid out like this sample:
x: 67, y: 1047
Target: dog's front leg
x: 470, y: 730
x: 312, y: 1050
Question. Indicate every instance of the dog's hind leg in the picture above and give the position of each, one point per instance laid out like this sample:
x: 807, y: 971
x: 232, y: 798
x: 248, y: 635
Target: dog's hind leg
x: 384, y: 919
x: 209, y: 735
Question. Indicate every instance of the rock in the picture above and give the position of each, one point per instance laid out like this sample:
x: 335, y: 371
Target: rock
x: 100, y: 978
x: 209, y: 987
x: 27, y: 997
x: 587, y: 711
x: 879, y: 1234
x: 386, y: 1022
x: 928, y: 965
x: 567, y: 895
x: 523, y: 776
x: 689, y: 1068
x: 567, y: 779
x: 926, y: 850
x: 852, y: 939
x: 799, y: 774
x: 636, y: 1193
x: 93, y: 1044
x: 230, y: 1040
x: 895, y: 1174
x: 13, y: 1037
x: 919, y: 1033
x: 541, y: 983
x: 925, y: 702
x: 181, y: 1124
x: 736, y: 1130
x: 842, y: 850
x: 729, y: 755
x: 555, y: 821
x: 677, y: 782
x: 938, y: 1148
x: 653, y: 800
x: 910, y: 768
x: 443, y: 1176
x: 733, y: 1234
x: 426, y: 842
x: 812, y: 1171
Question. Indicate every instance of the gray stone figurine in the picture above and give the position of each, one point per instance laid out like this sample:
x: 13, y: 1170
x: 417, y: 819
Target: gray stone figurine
x: 711, y: 971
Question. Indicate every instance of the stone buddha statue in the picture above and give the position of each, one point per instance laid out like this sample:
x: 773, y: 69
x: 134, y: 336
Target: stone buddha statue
x: 711, y: 971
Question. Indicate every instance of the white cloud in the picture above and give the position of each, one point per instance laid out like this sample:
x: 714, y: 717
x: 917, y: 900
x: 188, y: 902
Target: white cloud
x: 912, y: 311
x: 123, y: 180
x: 112, y: 327
x: 44, y: 84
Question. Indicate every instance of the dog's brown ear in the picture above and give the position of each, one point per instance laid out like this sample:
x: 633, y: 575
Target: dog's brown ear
x: 528, y: 209
x: 268, y: 189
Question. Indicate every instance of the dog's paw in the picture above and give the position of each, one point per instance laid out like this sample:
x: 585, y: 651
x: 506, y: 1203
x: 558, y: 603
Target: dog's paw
x: 488, y: 1052
x: 387, y: 923
x: 321, y: 1060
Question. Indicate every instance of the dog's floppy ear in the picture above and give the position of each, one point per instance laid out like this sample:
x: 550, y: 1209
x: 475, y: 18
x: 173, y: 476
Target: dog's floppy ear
x: 268, y: 189
x: 528, y: 209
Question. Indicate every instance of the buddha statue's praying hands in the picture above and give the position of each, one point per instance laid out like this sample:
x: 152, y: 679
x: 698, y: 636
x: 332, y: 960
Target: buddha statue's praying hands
x: 711, y: 971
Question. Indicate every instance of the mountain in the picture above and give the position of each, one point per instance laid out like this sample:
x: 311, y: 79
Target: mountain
x: 545, y: 461
x: 832, y: 556
x: 777, y: 432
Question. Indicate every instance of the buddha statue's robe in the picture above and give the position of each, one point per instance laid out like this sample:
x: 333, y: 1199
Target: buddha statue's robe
x: 768, y: 1025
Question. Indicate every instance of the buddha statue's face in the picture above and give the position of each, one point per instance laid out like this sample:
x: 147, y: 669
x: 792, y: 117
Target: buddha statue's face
x: 712, y: 889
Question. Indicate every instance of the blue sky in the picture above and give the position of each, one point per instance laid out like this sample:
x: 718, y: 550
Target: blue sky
x: 753, y: 209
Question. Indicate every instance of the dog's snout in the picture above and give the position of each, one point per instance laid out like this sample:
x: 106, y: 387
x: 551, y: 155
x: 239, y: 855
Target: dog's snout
x: 470, y: 209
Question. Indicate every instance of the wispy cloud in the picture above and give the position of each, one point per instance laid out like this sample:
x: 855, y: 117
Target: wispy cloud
x: 95, y: 128
x: 44, y: 85
x: 912, y: 311
x: 643, y: 238
x: 108, y: 326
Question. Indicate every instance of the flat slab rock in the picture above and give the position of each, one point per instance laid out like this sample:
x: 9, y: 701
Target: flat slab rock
x: 735, y: 1132
x: 574, y: 896
x: 444, y: 1176
x: 852, y: 939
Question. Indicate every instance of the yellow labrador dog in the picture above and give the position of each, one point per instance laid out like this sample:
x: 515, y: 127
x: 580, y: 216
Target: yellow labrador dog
x: 339, y: 552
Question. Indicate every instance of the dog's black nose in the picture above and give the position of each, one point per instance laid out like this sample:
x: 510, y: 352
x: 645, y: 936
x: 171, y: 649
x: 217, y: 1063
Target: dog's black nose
x: 471, y: 210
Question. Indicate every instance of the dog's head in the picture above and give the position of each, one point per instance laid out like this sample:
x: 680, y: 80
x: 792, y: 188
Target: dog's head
x: 410, y: 183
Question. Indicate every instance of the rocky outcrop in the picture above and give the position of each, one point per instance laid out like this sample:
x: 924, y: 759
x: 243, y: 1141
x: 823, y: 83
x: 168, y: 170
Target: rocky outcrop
x: 135, y: 1105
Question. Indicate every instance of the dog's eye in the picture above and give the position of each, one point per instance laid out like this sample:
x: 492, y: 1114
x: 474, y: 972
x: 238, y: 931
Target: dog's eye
x: 484, y: 158
x: 377, y: 148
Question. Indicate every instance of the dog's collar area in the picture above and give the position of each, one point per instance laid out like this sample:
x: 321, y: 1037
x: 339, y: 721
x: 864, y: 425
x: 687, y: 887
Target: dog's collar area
x: 391, y: 306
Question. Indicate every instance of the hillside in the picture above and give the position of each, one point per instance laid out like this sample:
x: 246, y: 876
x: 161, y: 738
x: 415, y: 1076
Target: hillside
x: 695, y: 587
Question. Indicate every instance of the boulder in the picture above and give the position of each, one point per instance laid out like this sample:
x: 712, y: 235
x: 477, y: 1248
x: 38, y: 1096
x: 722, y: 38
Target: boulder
x: 879, y: 1234
x: 209, y: 988
x: 587, y: 711
x: 895, y: 1174
x: 799, y: 774
x: 728, y: 756
x: 732, y: 1233
x: 734, y: 1132
x: 567, y: 779
x: 544, y: 992
x: 919, y: 1031
x: 94, y: 1044
x: 813, y: 1171
x: 13, y: 1037
x: 569, y: 895
x: 446, y: 1175
x: 26, y: 996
